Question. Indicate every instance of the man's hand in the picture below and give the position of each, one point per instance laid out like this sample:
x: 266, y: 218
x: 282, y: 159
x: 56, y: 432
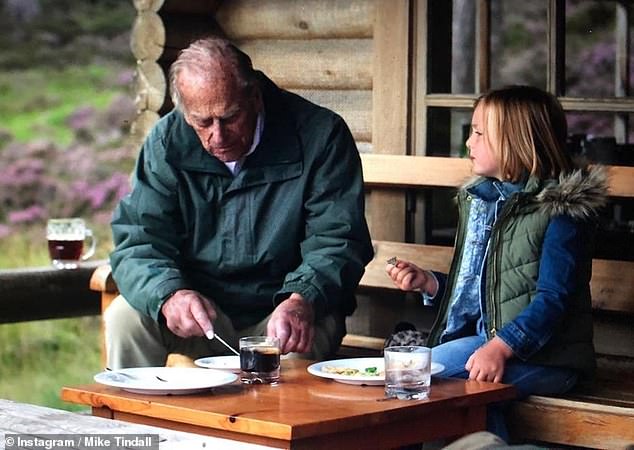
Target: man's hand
x: 487, y: 363
x: 292, y: 323
x: 188, y: 313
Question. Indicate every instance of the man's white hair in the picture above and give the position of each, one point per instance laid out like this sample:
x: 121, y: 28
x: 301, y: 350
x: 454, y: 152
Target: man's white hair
x: 205, y: 57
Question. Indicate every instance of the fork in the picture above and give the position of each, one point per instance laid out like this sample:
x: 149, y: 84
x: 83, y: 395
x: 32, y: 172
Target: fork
x: 132, y: 377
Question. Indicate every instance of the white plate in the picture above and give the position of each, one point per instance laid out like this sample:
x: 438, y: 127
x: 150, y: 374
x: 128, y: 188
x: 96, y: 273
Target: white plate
x: 179, y: 380
x: 352, y: 363
x: 360, y: 364
x: 230, y: 363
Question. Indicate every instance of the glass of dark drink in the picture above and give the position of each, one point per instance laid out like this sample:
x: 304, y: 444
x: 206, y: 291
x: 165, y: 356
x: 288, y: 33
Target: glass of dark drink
x: 259, y: 359
x: 66, y: 239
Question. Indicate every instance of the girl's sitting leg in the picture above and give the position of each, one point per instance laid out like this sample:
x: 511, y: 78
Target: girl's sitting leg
x: 527, y: 378
x: 453, y: 355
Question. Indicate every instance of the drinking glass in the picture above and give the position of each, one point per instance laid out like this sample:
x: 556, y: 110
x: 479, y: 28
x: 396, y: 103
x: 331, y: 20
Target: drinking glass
x: 66, y: 239
x: 259, y: 359
x: 407, y: 372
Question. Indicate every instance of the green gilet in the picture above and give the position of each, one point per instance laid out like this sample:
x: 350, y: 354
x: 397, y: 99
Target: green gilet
x: 512, y: 268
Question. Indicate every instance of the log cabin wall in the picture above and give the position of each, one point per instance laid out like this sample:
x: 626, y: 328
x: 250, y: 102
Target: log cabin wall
x: 348, y: 55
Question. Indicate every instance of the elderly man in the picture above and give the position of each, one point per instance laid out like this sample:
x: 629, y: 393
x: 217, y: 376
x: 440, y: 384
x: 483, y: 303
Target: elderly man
x: 246, y: 218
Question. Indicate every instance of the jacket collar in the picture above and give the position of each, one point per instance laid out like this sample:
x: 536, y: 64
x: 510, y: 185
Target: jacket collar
x: 579, y: 194
x: 278, y: 145
x: 490, y: 189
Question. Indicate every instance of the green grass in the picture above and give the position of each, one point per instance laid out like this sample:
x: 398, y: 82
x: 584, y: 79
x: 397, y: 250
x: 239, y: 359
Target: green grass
x: 36, y: 104
x: 38, y: 358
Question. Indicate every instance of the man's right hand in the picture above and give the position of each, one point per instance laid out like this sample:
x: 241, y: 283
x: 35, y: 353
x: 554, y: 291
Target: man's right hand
x: 188, y: 313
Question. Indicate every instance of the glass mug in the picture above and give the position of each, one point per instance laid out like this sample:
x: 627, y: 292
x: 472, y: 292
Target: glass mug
x: 66, y: 242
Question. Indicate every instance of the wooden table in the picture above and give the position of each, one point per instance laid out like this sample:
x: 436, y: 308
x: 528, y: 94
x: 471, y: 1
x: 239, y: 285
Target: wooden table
x: 304, y: 411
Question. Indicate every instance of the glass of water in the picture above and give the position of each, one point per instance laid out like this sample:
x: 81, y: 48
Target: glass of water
x: 407, y: 372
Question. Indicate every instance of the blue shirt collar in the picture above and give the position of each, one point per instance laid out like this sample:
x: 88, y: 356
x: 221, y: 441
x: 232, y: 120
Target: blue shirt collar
x: 491, y: 189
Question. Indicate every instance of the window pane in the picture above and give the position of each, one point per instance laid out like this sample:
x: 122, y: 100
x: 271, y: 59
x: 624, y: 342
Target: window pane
x: 448, y: 130
x: 590, y: 123
x: 593, y: 134
x: 462, y: 47
x: 519, y: 49
x: 590, y: 48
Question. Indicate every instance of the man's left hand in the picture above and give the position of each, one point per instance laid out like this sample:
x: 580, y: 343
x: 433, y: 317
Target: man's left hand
x: 292, y: 323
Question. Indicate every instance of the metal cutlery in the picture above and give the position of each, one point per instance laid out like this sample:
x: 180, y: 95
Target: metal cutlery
x: 132, y: 377
x: 210, y: 335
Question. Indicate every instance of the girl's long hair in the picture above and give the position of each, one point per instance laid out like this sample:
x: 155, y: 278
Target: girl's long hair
x: 528, y: 129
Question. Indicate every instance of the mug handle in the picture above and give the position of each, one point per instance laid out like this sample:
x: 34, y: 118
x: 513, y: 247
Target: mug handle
x: 93, y: 244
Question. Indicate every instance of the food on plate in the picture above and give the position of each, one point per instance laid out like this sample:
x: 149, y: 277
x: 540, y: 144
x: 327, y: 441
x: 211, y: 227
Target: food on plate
x: 352, y: 372
x: 178, y: 360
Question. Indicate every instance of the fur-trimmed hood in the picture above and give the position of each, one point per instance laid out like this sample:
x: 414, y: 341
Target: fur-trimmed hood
x: 579, y: 194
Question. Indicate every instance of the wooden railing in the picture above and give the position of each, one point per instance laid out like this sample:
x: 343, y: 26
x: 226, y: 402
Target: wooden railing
x: 47, y: 293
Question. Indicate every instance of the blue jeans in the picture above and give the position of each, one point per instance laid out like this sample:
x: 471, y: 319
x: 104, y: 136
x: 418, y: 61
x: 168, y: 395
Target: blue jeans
x: 527, y: 378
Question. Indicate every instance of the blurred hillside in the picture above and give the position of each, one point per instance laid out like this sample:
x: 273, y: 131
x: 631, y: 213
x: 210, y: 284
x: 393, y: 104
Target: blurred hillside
x: 56, y: 33
x: 66, y: 99
x: 66, y: 102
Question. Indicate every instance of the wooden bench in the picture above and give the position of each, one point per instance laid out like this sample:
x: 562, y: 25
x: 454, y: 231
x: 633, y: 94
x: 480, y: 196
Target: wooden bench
x: 600, y: 418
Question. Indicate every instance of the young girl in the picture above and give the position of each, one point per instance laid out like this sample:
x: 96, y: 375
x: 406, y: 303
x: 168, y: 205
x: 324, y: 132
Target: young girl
x: 515, y: 306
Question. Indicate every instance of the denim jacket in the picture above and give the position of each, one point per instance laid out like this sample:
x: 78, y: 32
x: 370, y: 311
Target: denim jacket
x: 534, y: 289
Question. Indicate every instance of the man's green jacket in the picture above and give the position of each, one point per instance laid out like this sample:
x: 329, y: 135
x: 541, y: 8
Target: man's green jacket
x: 292, y: 220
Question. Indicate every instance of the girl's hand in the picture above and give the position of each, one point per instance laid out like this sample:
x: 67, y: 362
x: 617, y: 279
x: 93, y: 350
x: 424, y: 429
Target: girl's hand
x: 409, y: 277
x: 487, y: 363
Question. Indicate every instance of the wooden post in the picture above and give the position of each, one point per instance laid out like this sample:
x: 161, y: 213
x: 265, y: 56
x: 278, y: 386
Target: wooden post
x: 390, y: 109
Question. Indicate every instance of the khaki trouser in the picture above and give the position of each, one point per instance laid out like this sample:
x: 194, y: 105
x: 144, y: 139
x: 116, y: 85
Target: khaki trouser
x: 136, y: 340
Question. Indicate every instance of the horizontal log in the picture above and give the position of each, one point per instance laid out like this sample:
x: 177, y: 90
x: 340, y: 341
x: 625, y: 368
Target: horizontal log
x: 290, y: 19
x: 354, y: 106
x: 151, y: 86
x: 315, y: 64
x: 148, y: 36
x: 148, y: 5
x: 141, y: 126
x: 344, y: 64
x: 47, y: 293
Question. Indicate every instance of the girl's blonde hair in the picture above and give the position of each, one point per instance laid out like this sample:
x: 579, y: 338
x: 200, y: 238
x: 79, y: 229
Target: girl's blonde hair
x: 529, y: 129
